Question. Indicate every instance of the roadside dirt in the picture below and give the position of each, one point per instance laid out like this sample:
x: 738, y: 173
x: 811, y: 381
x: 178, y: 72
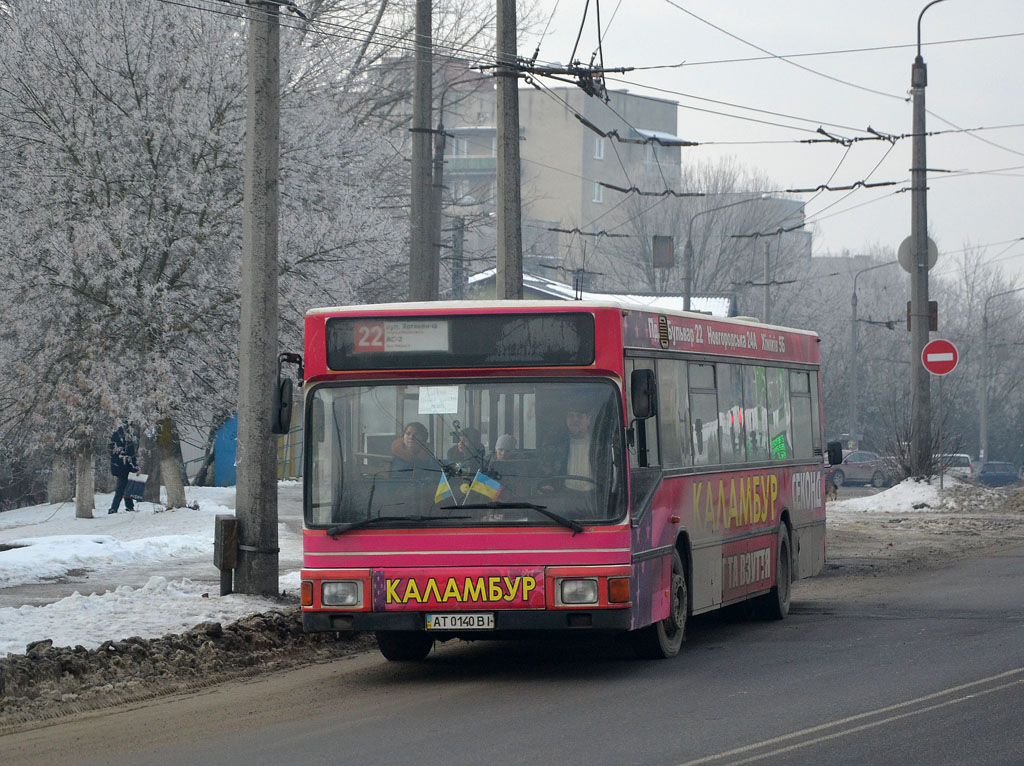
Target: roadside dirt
x: 866, y: 541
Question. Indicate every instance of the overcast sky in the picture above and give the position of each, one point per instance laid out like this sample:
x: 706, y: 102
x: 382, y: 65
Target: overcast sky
x: 739, y: 98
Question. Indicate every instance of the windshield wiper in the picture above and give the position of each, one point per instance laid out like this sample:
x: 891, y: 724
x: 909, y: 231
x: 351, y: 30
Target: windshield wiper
x: 575, y: 526
x: 340, y: 529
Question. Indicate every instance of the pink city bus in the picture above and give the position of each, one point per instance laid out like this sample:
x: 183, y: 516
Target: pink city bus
x: 494, y: 469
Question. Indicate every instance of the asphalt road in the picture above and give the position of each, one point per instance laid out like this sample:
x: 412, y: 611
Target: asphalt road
x: 923, y: 668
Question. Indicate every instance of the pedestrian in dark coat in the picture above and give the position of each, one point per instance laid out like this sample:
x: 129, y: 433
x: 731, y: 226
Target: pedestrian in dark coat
x: 123, y: 461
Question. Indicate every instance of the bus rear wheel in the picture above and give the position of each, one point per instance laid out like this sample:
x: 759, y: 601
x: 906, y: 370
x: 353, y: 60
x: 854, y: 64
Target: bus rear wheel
x: 774, y: 605
x: 664, y: 639
x: 404, y: 645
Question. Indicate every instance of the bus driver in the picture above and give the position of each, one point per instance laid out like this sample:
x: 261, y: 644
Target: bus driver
x: 571, y: 456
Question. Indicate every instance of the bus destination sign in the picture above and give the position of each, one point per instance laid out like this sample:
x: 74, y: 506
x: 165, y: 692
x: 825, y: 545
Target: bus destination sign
x: 379, y: 336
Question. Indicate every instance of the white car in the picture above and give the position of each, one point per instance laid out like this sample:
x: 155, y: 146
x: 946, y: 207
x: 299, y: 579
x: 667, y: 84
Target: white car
x: 958, y: 465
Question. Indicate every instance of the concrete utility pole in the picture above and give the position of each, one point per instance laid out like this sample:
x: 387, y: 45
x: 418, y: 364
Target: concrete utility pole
x: 920, y: 380
x: 767, y: 282
x: 509, y: 279
x: 436, y: 206
x: 422, y: 268
x: 257, y: 570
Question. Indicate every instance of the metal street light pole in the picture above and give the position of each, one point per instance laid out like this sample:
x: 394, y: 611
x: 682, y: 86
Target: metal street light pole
x: 688, y: 249
x: 920, y: 381
x: 983, y: 388
x: 854, y: 384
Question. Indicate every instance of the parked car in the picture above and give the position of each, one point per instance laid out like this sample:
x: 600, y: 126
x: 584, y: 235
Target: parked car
x: 995, y: 474
x: 955, y: 465
x: 861, y: 467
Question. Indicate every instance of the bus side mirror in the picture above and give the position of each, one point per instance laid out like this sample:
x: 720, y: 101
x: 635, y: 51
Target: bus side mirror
x: 282, y: 398
x: 643, y: 391
x: 281, y: 414
x: 835, y: 453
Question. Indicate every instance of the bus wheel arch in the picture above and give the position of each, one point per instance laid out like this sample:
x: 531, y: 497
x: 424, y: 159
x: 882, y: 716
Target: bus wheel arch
x: 665, y: 638
x: 774, y: 605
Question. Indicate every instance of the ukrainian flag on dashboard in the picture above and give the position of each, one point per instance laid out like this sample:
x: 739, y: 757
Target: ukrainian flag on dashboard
x: 444, y: 489
x: 486, y: 486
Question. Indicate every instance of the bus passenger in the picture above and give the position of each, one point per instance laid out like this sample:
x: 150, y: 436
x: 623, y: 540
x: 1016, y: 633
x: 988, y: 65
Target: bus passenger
x: 411, y: 449
x: 505, y: 448
x: 468, y: 453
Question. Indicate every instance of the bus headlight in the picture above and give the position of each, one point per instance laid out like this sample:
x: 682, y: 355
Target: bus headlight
x: 342, y: 593
x: 579, y: 591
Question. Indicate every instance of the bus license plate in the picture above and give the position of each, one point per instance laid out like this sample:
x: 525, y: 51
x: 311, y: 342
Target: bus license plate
x: 473, y: 621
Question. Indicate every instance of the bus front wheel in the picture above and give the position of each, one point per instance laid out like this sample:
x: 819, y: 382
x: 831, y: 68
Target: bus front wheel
x: 774, y: 605
x: 664, y: 639
x: 404, y: 645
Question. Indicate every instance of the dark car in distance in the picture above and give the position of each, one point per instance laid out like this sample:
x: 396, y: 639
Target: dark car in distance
x: 996, y: 474
x: 862, y: 467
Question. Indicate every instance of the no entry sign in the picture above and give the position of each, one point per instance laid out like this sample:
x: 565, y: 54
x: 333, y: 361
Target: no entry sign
x: 939, y: 357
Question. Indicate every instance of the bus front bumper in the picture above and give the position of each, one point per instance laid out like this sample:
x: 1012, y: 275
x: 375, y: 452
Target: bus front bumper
x: 504, y: 621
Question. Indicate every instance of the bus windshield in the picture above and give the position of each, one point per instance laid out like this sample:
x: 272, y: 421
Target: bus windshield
x: 474, y: 452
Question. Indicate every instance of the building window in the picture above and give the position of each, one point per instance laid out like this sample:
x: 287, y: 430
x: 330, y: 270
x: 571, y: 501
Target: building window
x: 598, y: 147
x: 598, y: 193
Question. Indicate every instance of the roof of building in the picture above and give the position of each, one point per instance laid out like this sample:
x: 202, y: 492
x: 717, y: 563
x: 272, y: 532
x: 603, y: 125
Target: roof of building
x: 718, y: 304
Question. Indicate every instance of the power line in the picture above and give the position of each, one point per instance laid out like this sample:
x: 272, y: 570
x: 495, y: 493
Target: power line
x: 836, y: 52
x: 783, y: 59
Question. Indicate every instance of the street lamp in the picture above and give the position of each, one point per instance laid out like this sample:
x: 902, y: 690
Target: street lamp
x: 920, y: 382
x: 688, y: 249
x: 854, y: 380
x: 983, y: 393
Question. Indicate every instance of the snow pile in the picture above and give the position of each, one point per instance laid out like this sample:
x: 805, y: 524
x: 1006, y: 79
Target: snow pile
x: 123, y: 612
x: 46, y: 544
x: 907, y: 496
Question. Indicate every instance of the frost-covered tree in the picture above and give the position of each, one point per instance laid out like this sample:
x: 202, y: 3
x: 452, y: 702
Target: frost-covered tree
x: 725, y: 211
x: 123, y: 138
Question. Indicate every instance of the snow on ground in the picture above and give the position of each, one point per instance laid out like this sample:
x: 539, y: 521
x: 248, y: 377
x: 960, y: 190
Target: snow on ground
x: 46, y: 543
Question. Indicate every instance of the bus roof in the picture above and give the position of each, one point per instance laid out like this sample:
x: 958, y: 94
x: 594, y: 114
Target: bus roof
x: 468, y: 306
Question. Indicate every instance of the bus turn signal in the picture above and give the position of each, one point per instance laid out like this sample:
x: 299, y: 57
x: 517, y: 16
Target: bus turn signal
x: 618, y: 590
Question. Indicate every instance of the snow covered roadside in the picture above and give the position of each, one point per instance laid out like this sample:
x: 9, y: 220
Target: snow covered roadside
x: 917, y: 525
x: 107, y: 566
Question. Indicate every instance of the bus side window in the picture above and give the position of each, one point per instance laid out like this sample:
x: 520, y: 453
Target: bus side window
x: 668, y: 409
x: 815, y: 416
x: 730, y: 409
x: 704, y: 413
x: 800, y: 407
x: 779, y: 414
x: 673, y: 414
x: 755, y: 412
